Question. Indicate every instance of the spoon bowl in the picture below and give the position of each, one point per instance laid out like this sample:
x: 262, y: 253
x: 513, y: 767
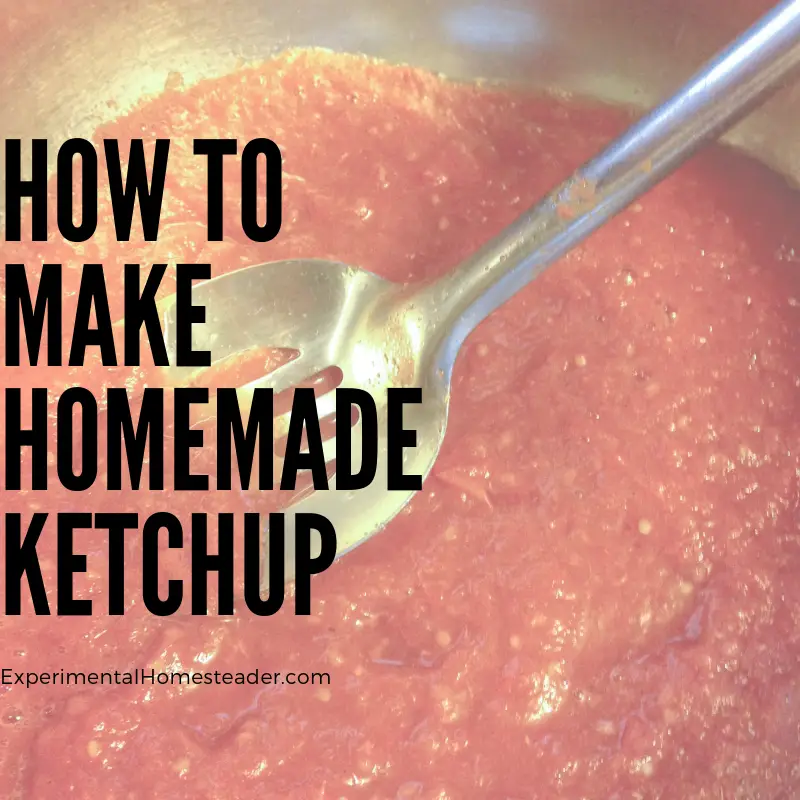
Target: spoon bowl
x: 332, y: 315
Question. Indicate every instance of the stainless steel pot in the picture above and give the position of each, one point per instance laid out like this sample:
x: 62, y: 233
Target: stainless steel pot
x: 62, y: 62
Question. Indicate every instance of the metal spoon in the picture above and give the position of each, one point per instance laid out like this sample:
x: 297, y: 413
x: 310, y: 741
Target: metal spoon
x: 383, y: 335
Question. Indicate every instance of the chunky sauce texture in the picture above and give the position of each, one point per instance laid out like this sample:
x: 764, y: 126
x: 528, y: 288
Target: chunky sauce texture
x: 595, y: 595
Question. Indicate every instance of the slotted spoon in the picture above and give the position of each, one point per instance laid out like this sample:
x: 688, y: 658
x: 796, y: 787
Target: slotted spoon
x: 383, y: 335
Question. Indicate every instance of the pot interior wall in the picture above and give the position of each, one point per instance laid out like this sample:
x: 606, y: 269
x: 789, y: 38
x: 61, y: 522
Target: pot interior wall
x: 71, y: 65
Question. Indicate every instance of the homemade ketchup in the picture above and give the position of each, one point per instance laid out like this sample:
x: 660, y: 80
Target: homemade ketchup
x: 596, y: 593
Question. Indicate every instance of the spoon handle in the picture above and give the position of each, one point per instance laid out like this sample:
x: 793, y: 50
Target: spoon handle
x: 729, y: 86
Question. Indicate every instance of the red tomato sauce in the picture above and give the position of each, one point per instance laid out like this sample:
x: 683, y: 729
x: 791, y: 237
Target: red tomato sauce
x: 596, y: 593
